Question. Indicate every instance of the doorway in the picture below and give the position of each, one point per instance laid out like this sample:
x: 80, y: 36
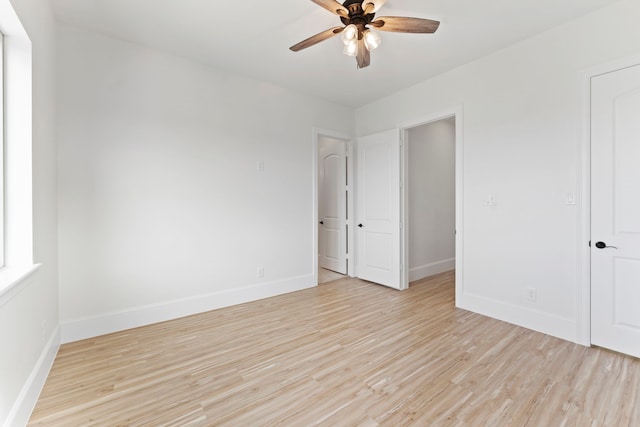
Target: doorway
x: 333, y: 205
x: 430, y: 198
x: 383, y: 211
x: 426, y: 249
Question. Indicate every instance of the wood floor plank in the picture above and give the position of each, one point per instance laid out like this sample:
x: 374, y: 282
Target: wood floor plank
x: 347, y: 353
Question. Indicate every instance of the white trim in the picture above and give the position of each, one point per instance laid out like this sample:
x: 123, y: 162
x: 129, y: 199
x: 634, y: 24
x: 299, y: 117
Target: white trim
x: 431, y: 269
x: 351, y: 233
x: 609, y: 67
x: 583, y: 289
x: 583, y: 285
x: 316, y: 133
x: 458, y: 113
x: 550, y: 324
x: 314, y: 204
x: 92, y: 326
x: 18, y: 200
x: 405, y: 274
x: 13, y: 280
x: 2, y: 149
x: 23, y: 406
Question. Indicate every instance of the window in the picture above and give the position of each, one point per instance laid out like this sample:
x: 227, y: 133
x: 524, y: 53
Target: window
x: 2, y: 149
x: 16, y: 224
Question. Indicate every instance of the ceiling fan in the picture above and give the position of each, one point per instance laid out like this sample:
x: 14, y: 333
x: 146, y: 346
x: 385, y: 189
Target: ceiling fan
x: 357, y: 16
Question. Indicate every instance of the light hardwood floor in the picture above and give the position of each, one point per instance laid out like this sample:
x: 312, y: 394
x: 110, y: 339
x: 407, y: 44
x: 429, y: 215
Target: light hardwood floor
x: 348, y: 353
x: 325, y: 275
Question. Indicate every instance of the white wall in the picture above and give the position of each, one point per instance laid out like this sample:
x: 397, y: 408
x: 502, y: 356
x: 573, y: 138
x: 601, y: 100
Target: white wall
x: 162, y: 210
x: 521, y: 144
x: 29, y: 318
x: 431, y: 198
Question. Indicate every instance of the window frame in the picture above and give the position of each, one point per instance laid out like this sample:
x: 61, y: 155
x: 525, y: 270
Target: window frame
x: 2, y: 152
x: 17, y: 165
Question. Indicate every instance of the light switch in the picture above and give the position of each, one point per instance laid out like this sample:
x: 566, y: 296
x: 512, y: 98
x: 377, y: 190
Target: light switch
x: 570, y: 198
x: 491, y: 200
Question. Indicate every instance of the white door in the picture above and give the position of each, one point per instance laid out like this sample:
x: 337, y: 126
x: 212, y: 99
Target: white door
x: 378, y: 208
x: 332, y: 204
x: 615, y: 210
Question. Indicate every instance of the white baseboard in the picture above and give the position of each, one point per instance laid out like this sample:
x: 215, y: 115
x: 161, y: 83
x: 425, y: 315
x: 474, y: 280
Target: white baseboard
x: 88, y: 327
x: 417, y: 273
x: 550, y: 324
x: 26, y: 401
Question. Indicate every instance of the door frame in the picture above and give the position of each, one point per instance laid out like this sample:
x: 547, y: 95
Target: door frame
x: 457, y: 113
x: 348, y: 140
x: 583, y: 288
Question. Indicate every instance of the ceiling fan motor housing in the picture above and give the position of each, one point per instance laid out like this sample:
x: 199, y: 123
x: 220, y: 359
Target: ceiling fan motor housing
x: 356, y: 16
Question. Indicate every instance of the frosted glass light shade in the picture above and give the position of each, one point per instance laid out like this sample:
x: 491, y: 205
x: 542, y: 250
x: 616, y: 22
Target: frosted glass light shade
x: 351, y: 48
x: 349, y: 33
x: 371, y: 39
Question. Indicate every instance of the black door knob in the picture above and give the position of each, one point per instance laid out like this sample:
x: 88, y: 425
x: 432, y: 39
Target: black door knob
x: 602, y: 245
x: 360, y: 225
x: 321, y: 222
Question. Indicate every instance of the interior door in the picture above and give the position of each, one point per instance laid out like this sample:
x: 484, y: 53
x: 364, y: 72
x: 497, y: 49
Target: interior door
x: 615, y: 210
x: 332, y: 205
x: 378, y: 208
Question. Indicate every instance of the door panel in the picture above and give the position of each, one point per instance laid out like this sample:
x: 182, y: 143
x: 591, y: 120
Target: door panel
x: 379, y: 255
x: 379, y: 208
x: 626, y: 293
x: 615, y: 210
x: 332, y: 182
x: 626, y: 148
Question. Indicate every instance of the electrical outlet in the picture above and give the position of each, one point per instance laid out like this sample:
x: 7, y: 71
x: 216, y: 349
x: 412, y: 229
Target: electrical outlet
x: 260, y: 272
x: 570, y: 198
x: 532, y: 294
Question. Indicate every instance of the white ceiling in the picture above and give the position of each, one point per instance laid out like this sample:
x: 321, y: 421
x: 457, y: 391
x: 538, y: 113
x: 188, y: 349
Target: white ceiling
x: 252, y: 37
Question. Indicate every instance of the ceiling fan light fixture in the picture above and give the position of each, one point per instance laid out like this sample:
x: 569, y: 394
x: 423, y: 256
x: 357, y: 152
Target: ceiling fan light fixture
x: 356, y: 17
x: 349, y: 34
x: 351, y: 48
x: 371, y: 39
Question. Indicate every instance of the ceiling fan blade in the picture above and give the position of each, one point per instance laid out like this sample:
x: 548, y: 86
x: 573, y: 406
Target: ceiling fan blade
x: 363, y: 58
x: 327, y: 34
x: 375, y: 5
x: 400, y: 24
x: 333, y: 6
